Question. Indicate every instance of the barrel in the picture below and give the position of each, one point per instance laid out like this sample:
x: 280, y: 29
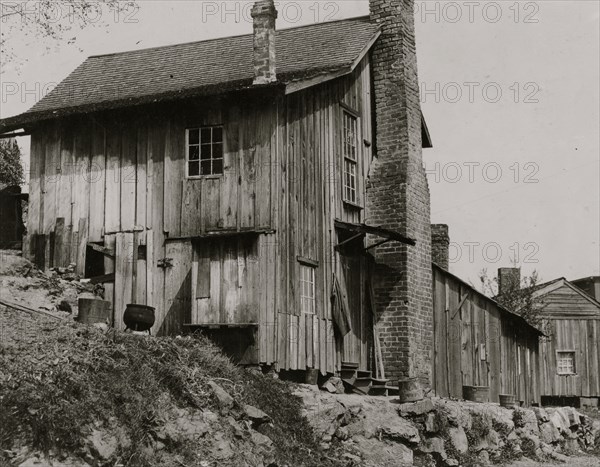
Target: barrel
x: 410, y: 390
x: 93, y: 310
x: 508, y: 400
x: 476, y: 393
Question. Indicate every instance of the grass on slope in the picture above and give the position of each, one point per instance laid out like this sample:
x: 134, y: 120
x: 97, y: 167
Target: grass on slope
x: 57, y: 378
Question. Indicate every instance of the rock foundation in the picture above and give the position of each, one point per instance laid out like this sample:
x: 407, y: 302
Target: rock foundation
x: 440, y: 432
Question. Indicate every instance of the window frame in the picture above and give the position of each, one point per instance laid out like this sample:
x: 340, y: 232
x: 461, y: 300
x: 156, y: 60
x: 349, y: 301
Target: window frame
x: 199, y: 128
x: 573, y: 355
x: 345, y: 159
x: 311, y: 266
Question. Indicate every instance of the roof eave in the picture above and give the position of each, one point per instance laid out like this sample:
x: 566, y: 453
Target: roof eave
x: 29, y: 118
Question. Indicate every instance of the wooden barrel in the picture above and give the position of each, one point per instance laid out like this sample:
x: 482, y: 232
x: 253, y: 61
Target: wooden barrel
x: 410, y: 390
x: 93, y: 310
x: 476, y: 393
x: 508, y: 400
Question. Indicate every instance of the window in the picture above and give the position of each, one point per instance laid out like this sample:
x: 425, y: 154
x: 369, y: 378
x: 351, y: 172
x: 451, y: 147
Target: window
x: 350, y: 151
x: 204, y: 151
x: 565, y: 362
x: 307, y: 289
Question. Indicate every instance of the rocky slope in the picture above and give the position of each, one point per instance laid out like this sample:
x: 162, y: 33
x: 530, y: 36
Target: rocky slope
x: 437, y: 432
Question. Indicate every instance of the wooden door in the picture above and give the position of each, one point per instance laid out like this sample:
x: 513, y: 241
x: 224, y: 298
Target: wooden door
x: 353, y: 271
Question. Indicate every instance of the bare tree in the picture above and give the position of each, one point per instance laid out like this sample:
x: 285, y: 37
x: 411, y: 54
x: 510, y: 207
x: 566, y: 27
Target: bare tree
x: 518, y: 297
x: 51, y: 20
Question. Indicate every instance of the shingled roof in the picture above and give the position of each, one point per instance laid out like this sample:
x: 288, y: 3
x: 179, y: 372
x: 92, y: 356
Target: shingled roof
x: 198, y: 68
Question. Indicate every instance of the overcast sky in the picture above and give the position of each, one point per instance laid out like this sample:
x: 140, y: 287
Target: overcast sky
x: 510, y: 92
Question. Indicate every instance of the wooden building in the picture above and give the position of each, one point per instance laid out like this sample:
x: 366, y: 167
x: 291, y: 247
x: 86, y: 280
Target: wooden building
x: 570, y: 355
x: 231, y: 191
x: 479, y: 343
x: 12, y: 227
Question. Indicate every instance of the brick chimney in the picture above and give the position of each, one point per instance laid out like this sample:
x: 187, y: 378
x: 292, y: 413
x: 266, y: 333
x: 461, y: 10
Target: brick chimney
x: 264, y: 15
x: 440, y: 242
x: 508, y: 278
x: 398, y: 197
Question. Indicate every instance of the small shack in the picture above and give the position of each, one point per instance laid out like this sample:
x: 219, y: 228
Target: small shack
x: 477, y: 342
x: 570, y: 356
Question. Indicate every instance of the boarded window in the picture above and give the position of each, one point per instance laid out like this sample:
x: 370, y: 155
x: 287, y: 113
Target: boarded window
x: 350, y: 151
x: 565, y: 362
x: 204, y: 148
x: 307, y: 289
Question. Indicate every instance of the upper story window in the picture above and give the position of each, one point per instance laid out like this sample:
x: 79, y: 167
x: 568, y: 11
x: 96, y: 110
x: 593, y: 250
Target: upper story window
x: 204, y: 148
x: 565, y: 362
x: 350, y: 151
x: 307, y: 289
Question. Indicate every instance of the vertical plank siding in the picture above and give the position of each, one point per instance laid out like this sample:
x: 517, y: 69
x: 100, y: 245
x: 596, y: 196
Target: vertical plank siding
x: 479, y: 344
x: 574, y: 326
x: 119, y: 179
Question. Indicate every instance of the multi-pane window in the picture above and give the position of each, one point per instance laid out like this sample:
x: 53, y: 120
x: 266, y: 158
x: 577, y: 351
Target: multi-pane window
x: 350, y: 151
x: 307, y: 289
x: 565, y: 362
x: 204, y: 151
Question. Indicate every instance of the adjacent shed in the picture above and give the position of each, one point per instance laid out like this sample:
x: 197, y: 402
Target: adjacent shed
x: 477, y: 342
x: 570, y: 356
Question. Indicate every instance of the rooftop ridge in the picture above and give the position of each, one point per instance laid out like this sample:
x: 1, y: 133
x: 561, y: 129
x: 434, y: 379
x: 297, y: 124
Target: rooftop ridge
x: 237, y: 36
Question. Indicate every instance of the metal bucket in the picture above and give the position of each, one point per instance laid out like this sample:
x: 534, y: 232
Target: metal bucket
x: 476, y: 393
x: 508, y: 401
x: 410, y: 390
x: 93, y: 310
x: 311, y: 377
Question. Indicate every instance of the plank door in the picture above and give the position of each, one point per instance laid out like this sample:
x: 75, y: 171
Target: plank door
x: 357, y: 343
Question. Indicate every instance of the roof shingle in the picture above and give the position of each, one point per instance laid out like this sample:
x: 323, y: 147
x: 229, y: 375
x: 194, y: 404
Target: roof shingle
x: 160, y: 73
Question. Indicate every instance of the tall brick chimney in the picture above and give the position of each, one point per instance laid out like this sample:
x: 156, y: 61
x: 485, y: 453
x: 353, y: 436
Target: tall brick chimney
x: 440, y: 242
x: 398, y: 197
x: 508, y: 278
x: 264, y: 15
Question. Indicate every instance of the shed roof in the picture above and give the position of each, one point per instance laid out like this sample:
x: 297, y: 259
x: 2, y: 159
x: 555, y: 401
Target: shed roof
x: 199, y: 68
x: 513, y: 316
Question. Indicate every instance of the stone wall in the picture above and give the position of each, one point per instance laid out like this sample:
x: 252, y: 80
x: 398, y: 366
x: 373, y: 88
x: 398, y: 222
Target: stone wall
x: 441, y: 432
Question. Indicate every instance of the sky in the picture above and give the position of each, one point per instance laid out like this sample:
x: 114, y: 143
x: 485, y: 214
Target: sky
x: 510, y: 91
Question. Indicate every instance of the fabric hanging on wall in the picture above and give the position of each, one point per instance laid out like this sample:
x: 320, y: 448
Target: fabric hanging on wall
x: 340, y: 308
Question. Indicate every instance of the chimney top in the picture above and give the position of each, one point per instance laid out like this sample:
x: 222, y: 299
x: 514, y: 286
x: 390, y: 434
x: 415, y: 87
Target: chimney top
x: 440, y: 243
x: 508, y: 279
x: 264, y: 15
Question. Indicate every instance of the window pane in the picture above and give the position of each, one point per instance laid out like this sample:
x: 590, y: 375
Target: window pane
x: 217, y: 166
x: 194, y: 136
x: 194, y: 169
x: 194, y: 152
x: 217, y: 151
x: 205, y: 151
x: 206, y: 168
x: 205, y: 135
x: 217, y: 136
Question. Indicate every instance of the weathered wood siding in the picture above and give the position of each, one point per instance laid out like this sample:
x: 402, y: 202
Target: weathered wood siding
x: 479, y: 344
x: 118, y: 179
x: 574, y: 325
x: 310, y: 201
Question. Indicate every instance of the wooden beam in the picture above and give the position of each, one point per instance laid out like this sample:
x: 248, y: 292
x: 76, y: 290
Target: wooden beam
x: 462, y: 302
x: 26, y: 309
x: 103, y: 279
x: 101, y: 249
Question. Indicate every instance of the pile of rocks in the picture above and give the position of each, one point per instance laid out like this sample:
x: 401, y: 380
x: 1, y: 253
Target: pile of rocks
x: 381, y: 431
